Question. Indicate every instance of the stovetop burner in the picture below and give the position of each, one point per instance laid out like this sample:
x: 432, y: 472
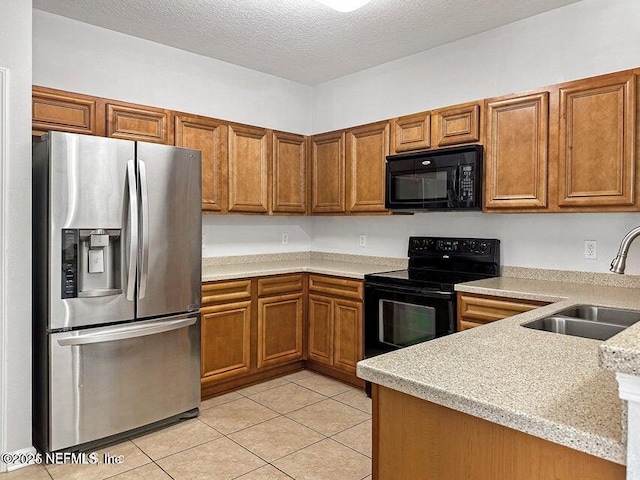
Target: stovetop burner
x: 439, y: 263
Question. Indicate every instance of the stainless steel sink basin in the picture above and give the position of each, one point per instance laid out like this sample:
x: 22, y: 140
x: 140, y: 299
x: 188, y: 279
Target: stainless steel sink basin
x: 576, y: 327
x: 587, y: 321
x: 602, y: 314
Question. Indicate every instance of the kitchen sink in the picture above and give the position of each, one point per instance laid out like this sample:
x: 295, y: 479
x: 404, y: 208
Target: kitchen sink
x: 587, y: 321
x: 602, y: 314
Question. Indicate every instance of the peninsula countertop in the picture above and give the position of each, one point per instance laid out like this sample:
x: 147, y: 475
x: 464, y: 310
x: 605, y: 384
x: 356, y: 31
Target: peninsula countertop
x: 549, y: 385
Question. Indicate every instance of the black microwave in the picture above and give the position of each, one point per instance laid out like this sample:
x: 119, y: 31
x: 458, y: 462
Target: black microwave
x: 438, y: 180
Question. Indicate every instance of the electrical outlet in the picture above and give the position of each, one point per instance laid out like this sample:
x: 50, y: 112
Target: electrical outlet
x: 203, y: 241
x: 590, y: 249
x: 285, y: 239
x: 363, y: 241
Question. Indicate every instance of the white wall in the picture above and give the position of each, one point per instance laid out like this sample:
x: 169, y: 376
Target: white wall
x: 251, y: 234
x: 79, y: 57
x: 553, y: 241
x: 580, y: 40
x: 15, y: 229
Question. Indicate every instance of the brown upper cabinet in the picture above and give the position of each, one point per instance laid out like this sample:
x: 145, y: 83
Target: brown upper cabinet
x: 596, y: 164
x: 249, y: 159
x: 328, y: 173
x: 289, y: 173
x: 571, y: 147
x: 65, y: 112
x: 455, y: 125
x: 411, y: 132
x: 367, y: 149
x: 516, y: 151
x: 210, y: 137
x: 565, y: 148
x: 136, y: 122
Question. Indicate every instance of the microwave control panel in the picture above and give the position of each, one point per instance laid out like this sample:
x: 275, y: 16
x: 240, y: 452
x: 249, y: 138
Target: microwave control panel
x: 69, y: 263
x: 466, y: 183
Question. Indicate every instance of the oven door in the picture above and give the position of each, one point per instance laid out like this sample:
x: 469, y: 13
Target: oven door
x: 396, y: 317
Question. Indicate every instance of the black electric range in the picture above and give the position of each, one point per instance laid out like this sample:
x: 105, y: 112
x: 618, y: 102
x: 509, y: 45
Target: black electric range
x: 405, y: 307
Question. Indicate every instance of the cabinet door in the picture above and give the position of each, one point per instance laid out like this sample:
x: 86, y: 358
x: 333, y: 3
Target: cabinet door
x: 412, y: 132
x: 248, y: 169
x: 367, y: 150
x: 289, y: 179
x: 328, y: 173
x: 597, y: 141
x: 516, y: 152
x: 226, y: 340
x: 320, y: 319
x: 457, y: 125
x: 64, y: 112
x: 280, y: 323
x: 136, y: 122
x: 210, y: 137
x: 347, y: 326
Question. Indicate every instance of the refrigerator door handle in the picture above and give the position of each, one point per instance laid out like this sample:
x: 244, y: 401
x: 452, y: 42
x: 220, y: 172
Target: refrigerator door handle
x: 133, y: 229
x: 123, y: 333
x: 144, y: 232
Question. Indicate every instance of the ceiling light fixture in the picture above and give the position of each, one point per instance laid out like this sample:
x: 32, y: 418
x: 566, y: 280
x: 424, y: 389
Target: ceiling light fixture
x: 344, y: 5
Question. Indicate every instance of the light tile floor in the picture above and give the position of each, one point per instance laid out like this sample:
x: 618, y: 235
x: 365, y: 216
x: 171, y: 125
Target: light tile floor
x: 303, y: 426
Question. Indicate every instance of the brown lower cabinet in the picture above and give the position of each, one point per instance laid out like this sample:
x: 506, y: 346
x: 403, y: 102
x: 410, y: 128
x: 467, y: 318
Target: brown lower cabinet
x: 414, y: 438
x: 335, y: 326
x: 259, y: 328
x: 477, y: 310
x: 252, y: 329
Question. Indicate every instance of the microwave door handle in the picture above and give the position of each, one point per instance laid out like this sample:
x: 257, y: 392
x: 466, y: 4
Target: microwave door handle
x: 133, y: 230
x: 456, y: 188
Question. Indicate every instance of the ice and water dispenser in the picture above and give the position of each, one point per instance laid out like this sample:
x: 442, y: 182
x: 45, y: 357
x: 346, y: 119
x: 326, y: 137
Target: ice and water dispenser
x: 91, y: 262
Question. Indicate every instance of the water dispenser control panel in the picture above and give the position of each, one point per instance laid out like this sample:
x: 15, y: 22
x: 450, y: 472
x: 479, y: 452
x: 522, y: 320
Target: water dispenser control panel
x: 69, y: 263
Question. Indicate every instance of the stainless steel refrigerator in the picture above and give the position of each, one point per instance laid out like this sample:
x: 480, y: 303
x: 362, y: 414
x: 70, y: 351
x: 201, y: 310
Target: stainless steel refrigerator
x: 116, y: 288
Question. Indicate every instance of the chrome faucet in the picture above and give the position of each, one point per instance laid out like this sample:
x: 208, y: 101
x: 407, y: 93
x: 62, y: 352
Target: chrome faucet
x: 618, y: 263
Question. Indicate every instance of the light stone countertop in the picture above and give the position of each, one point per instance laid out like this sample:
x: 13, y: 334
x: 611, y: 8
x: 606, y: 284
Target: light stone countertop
x: 548, y: 385
x: 352, y: 266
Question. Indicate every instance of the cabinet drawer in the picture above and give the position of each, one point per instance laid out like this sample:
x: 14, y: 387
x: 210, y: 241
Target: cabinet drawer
x: 217, y: 292
x: 476, y: 310
x: 340, y: 287
x: 279, y: 284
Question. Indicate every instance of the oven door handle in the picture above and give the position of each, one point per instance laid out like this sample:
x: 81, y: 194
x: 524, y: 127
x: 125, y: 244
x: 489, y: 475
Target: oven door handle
x: 421, y: 292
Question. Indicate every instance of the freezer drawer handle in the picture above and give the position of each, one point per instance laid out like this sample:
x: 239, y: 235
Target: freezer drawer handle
x: 133, y: 229
x: 127, y: 332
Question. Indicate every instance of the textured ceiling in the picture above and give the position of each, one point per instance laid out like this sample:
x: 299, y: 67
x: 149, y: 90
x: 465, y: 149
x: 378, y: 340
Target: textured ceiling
x: 300, y: 40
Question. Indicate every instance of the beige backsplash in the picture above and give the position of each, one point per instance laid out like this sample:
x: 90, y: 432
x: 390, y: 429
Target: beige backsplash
x: 592, y: 278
